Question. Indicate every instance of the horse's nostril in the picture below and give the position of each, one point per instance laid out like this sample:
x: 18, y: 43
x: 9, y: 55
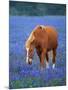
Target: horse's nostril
x: 30, y: 63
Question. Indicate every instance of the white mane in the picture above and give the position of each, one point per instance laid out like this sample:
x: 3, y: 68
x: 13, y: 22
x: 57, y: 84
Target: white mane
x: 30, y: 39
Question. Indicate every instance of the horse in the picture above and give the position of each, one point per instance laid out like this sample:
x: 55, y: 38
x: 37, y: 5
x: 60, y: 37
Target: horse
x: 43, y: 39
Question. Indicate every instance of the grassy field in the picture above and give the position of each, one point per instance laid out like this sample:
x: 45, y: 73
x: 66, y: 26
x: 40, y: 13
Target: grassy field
x: 22, y: 75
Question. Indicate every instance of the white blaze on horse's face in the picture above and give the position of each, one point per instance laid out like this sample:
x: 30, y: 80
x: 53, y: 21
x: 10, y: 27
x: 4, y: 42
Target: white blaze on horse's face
x: 28, y: 60
x: 27, y: 49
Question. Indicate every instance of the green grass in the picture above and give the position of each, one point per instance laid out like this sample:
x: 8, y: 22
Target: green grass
x: 57, y: 82
x: 27, y: 83
x: 36, y: 82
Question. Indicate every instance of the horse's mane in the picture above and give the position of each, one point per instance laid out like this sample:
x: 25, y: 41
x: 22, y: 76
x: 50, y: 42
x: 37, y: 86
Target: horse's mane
x: 30, y: 39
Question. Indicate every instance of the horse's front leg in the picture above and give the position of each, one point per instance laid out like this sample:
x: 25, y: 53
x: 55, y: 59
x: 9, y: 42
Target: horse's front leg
x: 42, y: 57
x: 47, y: 61
x: 38, y: 53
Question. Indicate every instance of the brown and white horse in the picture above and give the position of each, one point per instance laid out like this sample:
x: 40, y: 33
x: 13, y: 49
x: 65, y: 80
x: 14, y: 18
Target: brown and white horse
x: 43, y: 39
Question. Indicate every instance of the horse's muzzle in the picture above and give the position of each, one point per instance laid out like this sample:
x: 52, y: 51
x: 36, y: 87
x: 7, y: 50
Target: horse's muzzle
x: 29, y: 61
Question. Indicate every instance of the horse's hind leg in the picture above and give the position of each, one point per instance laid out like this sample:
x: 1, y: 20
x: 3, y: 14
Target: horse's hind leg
x: 47, y: 61
x: 54, y: 58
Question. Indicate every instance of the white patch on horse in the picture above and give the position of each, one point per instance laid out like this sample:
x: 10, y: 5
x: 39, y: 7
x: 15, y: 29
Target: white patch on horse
x: 27, y: 50
x: 27, y: 55
x: 30, y: 60
x: 53, y: 66
x: 27, y: 59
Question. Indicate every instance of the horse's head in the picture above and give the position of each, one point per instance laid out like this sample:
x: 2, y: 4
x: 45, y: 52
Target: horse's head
x: 30, y: 48
x: 30, y: 51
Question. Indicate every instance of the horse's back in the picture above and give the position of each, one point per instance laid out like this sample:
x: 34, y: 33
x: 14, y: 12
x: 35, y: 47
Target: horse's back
x: 52, y: 36
x: 46, y: 36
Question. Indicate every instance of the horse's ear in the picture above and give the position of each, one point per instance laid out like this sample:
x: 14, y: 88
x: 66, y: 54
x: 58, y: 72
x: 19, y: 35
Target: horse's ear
x: 41, y: 27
